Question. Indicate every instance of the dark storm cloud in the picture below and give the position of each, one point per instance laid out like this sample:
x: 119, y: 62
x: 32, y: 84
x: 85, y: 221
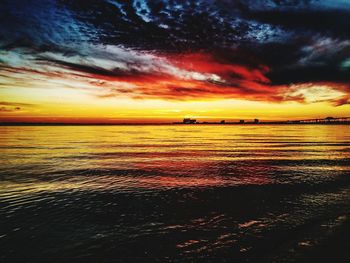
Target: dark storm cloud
x: 89, y: 69
x: 311, y: 74
x: 163, y: 25
x: 330, y: 22
x: 273, y: 33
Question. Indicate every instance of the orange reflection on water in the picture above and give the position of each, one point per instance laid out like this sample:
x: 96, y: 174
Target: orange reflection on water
x: 175, y: 156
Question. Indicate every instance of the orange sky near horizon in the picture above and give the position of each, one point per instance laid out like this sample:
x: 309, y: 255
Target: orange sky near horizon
x: 74, y: 106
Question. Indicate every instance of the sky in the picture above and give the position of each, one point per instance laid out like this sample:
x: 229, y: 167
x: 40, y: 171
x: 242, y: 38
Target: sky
x: 163, y: 60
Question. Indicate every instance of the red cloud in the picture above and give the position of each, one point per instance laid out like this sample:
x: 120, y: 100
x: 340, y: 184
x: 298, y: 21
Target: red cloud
x: 205, y: 63
x: 194, y: 76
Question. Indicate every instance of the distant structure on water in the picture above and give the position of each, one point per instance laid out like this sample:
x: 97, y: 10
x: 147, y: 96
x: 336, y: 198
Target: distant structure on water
x: 189, y: 121
x: 327, y: 120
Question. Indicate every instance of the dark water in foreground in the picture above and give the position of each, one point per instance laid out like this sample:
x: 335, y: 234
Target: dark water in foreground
x: 175, y: 194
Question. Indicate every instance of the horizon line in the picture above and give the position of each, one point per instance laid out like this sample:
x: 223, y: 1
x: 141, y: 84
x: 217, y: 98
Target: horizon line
x: 327, y: 120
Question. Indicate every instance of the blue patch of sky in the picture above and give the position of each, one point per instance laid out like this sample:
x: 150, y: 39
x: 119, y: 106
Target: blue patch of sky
x: 40, y: 22
x: 38, y: 28
x: 142, y: 10
x: 337, y: 4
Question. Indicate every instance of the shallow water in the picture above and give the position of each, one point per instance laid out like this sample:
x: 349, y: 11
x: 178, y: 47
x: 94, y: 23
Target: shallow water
x: 176, y: 193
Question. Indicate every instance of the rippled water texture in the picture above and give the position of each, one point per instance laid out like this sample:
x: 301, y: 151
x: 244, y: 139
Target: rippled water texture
x: 175, y: 193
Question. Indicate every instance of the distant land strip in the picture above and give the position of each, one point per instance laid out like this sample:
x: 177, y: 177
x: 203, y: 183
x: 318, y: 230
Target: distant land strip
x: 188, y: 121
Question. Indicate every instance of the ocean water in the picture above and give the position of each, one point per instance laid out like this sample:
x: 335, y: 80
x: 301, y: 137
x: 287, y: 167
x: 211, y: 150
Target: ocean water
x: 175, y: 193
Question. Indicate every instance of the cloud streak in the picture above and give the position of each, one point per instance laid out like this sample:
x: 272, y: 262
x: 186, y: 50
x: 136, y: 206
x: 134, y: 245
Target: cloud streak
x: 6, y: 106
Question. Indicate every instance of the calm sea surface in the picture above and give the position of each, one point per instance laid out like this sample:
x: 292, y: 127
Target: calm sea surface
x: 253, y: 193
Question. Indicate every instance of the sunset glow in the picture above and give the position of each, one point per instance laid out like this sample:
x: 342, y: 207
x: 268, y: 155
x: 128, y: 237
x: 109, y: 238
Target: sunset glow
x: 135, y: 64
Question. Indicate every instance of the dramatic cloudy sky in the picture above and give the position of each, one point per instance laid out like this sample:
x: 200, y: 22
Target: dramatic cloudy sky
x: 166, y: 59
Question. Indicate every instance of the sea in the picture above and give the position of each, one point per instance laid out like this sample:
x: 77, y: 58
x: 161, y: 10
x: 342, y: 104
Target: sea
x: 175, y: 193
